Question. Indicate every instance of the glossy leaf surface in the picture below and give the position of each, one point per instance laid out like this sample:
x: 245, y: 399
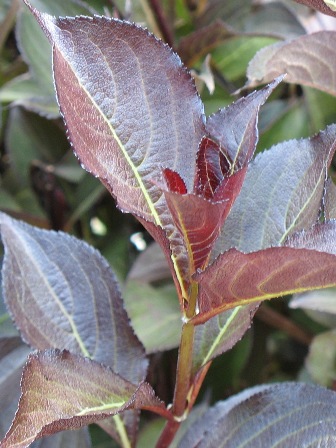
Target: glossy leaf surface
x: 307, y: 60
x: 61, y: 294
x: 65, y: 391
x: 277, y: 415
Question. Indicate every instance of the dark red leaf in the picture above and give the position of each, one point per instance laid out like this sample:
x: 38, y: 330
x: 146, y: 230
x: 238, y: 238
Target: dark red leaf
x: 199, y: 221
x: 212, y: 167
x: 174, y: 181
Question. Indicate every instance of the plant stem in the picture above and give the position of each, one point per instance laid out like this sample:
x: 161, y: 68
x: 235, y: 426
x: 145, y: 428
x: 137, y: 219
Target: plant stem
x: 168, y: 434
x: 183, y: 375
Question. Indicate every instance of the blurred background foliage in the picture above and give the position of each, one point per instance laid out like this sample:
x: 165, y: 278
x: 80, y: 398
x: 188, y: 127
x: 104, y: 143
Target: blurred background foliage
x: 42, y: 183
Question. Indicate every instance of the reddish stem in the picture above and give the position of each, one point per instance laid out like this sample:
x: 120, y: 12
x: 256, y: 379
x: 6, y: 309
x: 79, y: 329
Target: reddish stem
x: 168, y: 434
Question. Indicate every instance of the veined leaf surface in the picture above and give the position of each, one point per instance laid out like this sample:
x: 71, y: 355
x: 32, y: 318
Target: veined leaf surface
x: 307, y: 60
x: 65, y: 391
x: 273, y: 416
x: 62, y: 294
x: 236, y: 278
x: 124, y: 113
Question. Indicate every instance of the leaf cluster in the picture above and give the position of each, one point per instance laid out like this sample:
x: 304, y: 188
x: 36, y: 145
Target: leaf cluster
x: 230, y: 229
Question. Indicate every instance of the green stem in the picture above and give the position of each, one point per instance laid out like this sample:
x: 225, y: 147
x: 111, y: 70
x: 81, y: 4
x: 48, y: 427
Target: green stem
x: 183, y: 374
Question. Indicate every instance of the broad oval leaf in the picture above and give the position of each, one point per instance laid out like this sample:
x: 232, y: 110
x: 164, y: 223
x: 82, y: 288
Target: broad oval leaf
x: 69, y: 391
x: 138, y: 124
x: 278, y: 415
x: 286, y: 198
x: 62, y: 294
x: 307, y: 60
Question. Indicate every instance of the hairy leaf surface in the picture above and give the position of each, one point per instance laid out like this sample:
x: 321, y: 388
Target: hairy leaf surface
x: 235, y: 127
x: 138, y: 123
x: 307, y: 60
x: 65, y: 391
x: 287, y: 196
x: 62, y: 293
x: 236, y: 278
x: 277, y: 415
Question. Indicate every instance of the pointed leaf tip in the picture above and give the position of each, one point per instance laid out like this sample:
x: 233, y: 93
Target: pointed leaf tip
x: 68, y: 391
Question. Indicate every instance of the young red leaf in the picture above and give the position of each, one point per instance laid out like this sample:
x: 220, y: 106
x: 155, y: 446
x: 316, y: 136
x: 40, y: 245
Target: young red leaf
x: 237, y: 279
x: 199, y: 221
x: 65, y: 391
x: 235, y: 127
x: 212, y: 167
x: 307, y: 60
x: 62, y: 293
x: 277, y: 415
x: 174, y: 181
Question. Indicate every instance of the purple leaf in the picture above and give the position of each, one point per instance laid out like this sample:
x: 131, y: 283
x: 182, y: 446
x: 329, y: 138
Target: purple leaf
x: 138, y: 124
x: 286, y: 198
x: 235, y: 127
x: 62, y: 294
x: 282, y: 415
x: 330, y: 200
x: 64, y: 391
x: 307, y: 60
